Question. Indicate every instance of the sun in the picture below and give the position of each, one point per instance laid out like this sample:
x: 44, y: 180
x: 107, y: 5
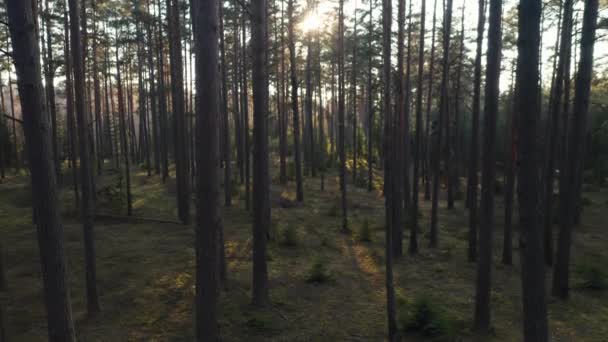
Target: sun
x: 311, y: 22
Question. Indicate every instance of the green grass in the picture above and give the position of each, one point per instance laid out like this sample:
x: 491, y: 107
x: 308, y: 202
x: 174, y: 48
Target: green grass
x: 146, y: 271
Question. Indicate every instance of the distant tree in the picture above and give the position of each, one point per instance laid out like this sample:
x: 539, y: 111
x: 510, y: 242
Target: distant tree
x: 26, y: 57
x: 429, y: 103
x: 341, y: 114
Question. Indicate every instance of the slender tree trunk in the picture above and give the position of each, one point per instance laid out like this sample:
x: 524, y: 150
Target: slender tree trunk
x: 294, y: 99
x: 341, y: 109
x: 354, y: 94
x: 553, y: 131
x: 50, y: 90
x: 282, y: 109
x: 209, y: 221
x: 531, y: 237
x: 26, y: 57
x: 443, y: 109
x: 177, y: 95
x: 386, y: 72
x: 488, y: 176
x: 123, y: 131
x: 162, y: 100
x: 418, y: 156
x: 473, y: 177
x: 569, y: 199
x: 398, y: 137
x: 511, y: 150
x: 370, y: 99
x: 226, y: 125
x: 150, y: 29
x: 87, y: 204
x: 245, y: 113
x: 97, y: 94
x: 429, y: 100
x: 261, y: 202
x: 71, y: 126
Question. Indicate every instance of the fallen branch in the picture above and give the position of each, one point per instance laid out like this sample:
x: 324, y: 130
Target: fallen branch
x: 12, y: 118
x: 123, y: 218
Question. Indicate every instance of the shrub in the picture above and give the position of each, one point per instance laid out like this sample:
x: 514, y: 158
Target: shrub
x: 426, y: 318
x: 289, y: 236
x: 333, y: 210
x: 364, y: 234
x: 318, y: 272
x: 592, y: 276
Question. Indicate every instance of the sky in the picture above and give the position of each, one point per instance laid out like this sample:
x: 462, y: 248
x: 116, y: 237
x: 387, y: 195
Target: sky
x: 327, y: 9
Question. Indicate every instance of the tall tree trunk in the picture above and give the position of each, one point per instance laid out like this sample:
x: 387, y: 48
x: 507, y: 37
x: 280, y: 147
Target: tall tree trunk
x: 553, y: 131
x: 97, y: 94
x: 245, y: 113
x: 443, y: 109
x: 509, y: 192
x: 87, y: 204
x: 429, y: 101
x: 398, y: 136
x: 179, y: 117
x: 531, y: 237
x: 209, y: 221
x: 261, y: 191
x: 406, y: 117
x: 71, y: 126
x: 294, y: 99
x: 226, y: 125
x: 473, y: 177
x: 150, y: 29
x: 387, y: 21
x: 282, y: 109
x: 370, y: 99
x: 162, y: 99
x: 26, y: 57
x: 569, y: 198
x: 418, y: 156
x: 341, y: 109
x: 50, y: 90
x: 488, y: 176
x: 354, y: 94
x: 123, y: 131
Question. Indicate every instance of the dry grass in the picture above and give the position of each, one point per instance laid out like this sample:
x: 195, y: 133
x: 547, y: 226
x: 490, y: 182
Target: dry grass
x: 146, y: 272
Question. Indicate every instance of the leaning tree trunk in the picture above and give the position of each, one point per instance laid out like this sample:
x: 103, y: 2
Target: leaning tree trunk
x: 488, y: 176
x: 531, y: 237
x: 26, y: 57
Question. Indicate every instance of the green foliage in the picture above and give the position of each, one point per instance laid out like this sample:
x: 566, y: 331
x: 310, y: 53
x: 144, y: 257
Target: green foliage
x: 425, y: 317
x: 364, y: 234
x: 289, y: 236
x: 318, y: 272
x: 593, y: 277
x: 234, y: 187
x: 333, y: 211
x: 112, y: 195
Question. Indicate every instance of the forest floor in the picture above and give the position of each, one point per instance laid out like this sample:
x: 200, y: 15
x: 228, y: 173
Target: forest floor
x: 145, y: 270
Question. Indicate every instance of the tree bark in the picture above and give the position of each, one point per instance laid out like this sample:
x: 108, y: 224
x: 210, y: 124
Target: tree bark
x: 488, y: 176
x: 26, y: 57
x: 569, y: 199
x: 531, y: 237
x: 87, y: 204
x: 294, y: 100
x: 209, y: 221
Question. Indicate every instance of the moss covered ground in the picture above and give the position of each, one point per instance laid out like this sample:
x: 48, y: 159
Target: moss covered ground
x: 146, y: 281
